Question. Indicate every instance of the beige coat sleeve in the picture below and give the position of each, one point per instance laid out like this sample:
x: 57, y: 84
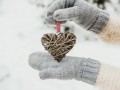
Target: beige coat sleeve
x: 111, y: 33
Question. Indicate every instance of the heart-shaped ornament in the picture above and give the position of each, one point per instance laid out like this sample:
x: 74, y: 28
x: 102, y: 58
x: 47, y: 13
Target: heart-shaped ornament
x: 58, y: 45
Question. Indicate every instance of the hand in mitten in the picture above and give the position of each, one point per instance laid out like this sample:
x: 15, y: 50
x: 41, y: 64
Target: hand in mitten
x: 79, y: 11
x: 83, y: 69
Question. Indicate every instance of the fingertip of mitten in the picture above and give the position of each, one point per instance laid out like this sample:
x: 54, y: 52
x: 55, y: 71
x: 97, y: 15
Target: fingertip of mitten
x: 49, y: 20
x: 34, y: 59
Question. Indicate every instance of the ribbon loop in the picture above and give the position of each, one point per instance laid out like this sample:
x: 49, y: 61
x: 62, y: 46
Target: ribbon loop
x: 58, y: 26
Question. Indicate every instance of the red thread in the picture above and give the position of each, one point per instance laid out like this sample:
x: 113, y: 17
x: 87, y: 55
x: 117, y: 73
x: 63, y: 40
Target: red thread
x: 58, y: 26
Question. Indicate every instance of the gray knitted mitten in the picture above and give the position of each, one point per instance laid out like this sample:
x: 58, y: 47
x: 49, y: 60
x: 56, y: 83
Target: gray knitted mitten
x: 79, y: 11
x: 83, y: 69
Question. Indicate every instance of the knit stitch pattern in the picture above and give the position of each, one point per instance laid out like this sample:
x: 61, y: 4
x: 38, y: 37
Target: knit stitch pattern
x: 82, y: 69
x: 111, y: 33
x: 108, y: 78
x: 79, y: 11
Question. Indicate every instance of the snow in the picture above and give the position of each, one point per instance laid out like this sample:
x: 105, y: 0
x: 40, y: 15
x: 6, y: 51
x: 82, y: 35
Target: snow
x: 20, y: 33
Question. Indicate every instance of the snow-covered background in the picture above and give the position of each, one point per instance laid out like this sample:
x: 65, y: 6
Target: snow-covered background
x: 21, y: 28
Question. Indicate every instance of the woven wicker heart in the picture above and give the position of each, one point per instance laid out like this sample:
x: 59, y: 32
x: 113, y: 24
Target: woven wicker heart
x: 58, y: 45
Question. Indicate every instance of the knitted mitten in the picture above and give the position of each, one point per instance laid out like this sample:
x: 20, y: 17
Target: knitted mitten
x: 79, y: 11
x: 83, y: 69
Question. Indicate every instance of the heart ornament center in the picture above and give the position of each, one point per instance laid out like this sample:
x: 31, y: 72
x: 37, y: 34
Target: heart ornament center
x: 58, y: 45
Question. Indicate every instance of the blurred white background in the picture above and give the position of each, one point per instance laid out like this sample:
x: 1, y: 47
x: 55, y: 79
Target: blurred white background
x: 21, y: 28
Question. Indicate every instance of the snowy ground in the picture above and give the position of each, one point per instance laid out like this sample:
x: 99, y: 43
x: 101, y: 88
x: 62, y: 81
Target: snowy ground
x: 20, y: 33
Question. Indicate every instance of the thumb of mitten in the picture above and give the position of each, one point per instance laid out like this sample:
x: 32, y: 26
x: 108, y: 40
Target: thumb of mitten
x: 66, y: 14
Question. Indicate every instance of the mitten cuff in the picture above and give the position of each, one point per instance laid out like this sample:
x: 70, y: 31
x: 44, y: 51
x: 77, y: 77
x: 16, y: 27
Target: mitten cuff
x: 100, y: 22
x: 89, y: 70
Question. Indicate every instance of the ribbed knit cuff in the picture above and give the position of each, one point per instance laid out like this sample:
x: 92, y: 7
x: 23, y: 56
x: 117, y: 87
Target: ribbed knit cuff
x: 89, y: 70
x: 100, y: 22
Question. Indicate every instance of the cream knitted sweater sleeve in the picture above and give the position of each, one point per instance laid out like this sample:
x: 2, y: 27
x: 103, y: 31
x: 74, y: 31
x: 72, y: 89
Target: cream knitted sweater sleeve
x: 111, y: 33
x: 109, y: 76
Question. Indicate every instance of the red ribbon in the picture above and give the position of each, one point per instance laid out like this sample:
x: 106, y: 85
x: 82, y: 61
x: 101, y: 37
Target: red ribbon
x: 58, y: 26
